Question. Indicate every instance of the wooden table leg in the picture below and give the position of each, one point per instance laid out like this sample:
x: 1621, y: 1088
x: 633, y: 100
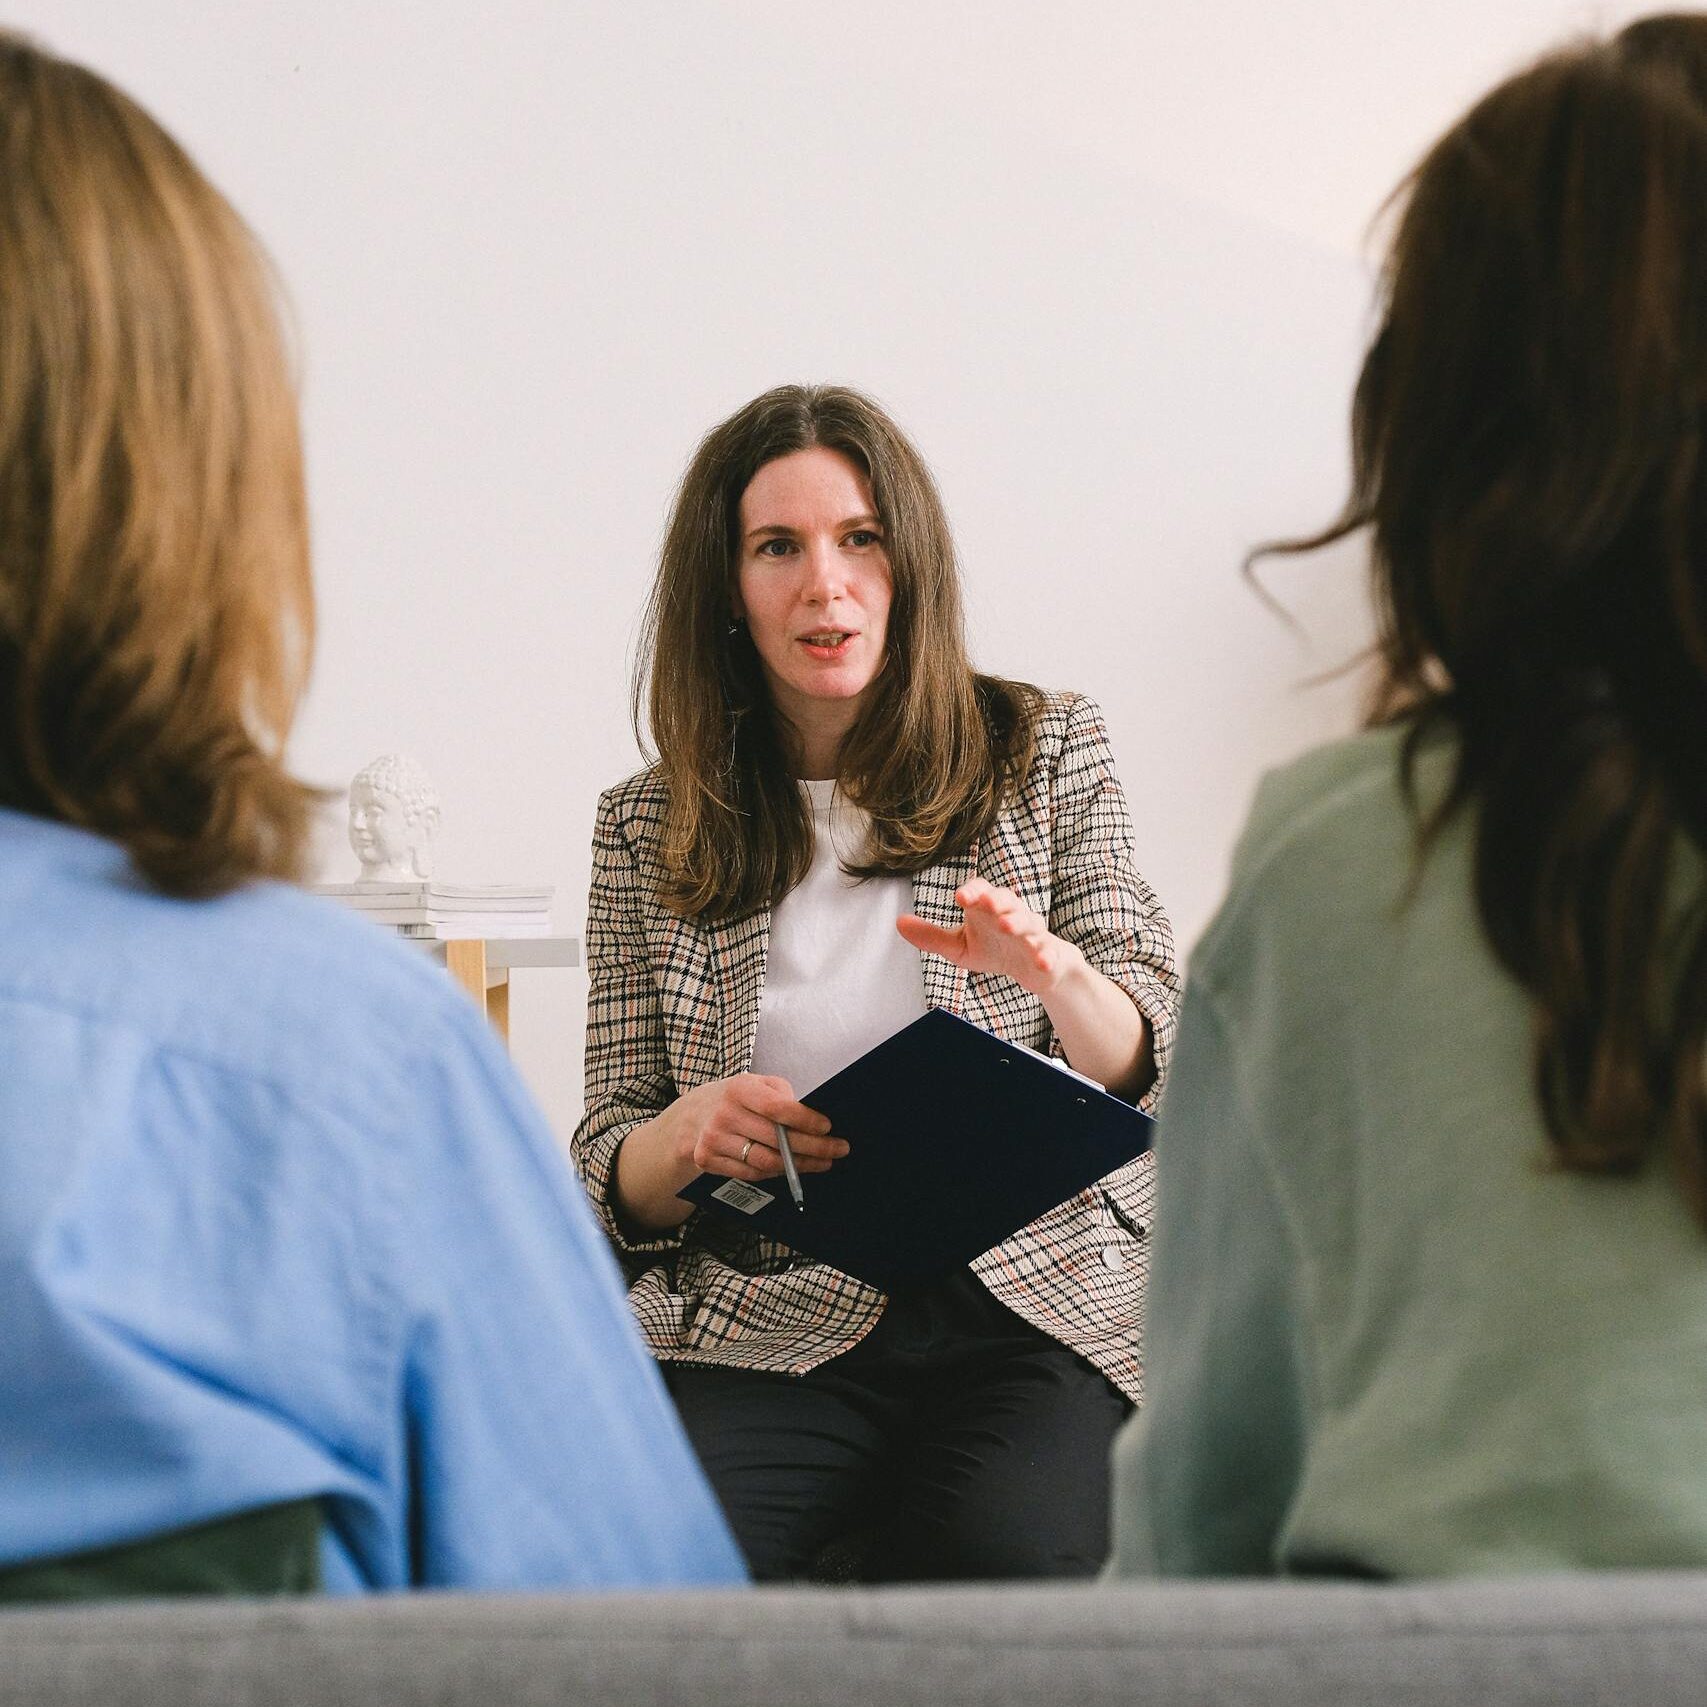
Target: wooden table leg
x: 467, y: 963
x: 498, y: 1006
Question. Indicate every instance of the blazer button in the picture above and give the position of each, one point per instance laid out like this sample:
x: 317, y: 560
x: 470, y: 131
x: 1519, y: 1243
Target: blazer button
x: 1113, y: 1257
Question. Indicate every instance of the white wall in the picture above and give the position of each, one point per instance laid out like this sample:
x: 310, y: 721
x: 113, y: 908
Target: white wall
x: 1104, y: 261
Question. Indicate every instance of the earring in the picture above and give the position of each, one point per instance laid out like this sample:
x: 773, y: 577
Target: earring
x: 736, y: 624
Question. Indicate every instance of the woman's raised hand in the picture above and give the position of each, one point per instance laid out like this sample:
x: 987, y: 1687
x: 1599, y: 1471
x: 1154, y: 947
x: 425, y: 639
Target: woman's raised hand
x: 729, y: 1127
x: 1000, y: 934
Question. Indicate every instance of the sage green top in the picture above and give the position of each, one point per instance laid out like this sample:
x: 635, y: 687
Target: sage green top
x: 1383, y: 1334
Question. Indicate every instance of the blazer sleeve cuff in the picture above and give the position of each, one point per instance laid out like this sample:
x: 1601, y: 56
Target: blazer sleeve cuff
x: 597, y: 1160
x: 1158, y: 1004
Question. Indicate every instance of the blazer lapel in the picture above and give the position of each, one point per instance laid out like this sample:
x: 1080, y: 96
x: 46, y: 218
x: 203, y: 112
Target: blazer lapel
x: 933, y: 901
x: 739, y: 948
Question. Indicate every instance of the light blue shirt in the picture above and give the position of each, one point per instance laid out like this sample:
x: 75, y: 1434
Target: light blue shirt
x: 278, y: 1219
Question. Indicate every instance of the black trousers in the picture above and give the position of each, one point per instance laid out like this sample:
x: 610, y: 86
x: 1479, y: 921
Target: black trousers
x: 959, y: 1440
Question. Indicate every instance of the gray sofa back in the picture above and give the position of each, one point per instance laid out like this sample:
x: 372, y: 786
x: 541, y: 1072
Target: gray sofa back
x: 1597, y: 1641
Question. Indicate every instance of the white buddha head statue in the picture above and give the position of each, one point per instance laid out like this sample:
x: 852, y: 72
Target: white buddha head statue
x: 394, y: 810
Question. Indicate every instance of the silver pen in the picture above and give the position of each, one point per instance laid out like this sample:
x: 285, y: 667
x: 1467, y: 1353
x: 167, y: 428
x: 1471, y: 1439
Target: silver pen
x: 788, y: 1166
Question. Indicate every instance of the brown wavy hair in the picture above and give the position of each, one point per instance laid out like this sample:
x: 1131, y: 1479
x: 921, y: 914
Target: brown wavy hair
x: 156, y: 615
x: 1528, y: 459
x: 937, y: 748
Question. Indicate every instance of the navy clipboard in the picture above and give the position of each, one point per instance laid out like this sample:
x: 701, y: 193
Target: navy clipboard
x: 956, y: 1139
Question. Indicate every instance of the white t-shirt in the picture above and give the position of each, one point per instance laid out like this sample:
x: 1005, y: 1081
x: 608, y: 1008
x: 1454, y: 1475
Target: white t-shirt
x: 839, y: 977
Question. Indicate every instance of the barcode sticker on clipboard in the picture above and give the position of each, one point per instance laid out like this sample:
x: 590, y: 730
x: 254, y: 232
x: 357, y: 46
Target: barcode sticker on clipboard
x: 739, y: 1195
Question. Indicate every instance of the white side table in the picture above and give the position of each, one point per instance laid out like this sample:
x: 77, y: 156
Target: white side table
x: 482, y: 966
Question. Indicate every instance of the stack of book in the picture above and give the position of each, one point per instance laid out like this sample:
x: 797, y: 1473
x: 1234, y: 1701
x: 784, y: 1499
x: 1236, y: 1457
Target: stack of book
x: 448, y: 912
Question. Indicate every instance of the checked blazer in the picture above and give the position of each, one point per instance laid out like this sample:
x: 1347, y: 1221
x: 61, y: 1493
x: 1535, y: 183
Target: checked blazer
x: 674, y: 1003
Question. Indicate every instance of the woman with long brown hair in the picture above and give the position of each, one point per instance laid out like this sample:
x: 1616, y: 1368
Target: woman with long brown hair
x: 294, y: 1289
x: 846, y: 824
x: 1437, y: 1302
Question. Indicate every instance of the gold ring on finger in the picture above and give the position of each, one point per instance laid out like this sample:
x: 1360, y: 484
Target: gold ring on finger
x: 746, y: 1149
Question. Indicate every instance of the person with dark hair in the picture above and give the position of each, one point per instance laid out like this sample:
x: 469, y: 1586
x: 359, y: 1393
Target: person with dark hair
x: 844, y: 825
x: 295, y: 1290
x: 1437, y: 1300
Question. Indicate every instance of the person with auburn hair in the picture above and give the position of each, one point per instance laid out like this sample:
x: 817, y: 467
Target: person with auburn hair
x: 294, y: 1290
x: 845, y: 825
x: 1438, y: 1111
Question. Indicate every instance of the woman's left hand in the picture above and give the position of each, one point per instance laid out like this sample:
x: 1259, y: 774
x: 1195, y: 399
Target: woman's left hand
x: 1001, y: 934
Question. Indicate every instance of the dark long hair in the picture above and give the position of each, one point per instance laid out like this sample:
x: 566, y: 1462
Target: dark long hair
x: 933, y: 753
x: 1528, y: 459
x: 156, y: 615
